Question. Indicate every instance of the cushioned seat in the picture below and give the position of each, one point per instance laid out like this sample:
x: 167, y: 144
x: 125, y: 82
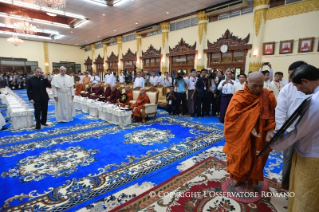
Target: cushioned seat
x: 150, y: 109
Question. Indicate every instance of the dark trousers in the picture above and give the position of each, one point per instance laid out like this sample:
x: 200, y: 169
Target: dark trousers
x: 171, y: 108
x: 213, y: 103
x: 181, y: 97
x: 202, y: 106
x: 41, y: 107
x: 223, y: 106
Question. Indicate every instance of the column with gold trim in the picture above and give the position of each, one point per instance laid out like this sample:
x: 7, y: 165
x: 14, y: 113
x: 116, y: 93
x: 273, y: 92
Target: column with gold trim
x: 165, y: 50
x: 104, y: 56
x: 93, y: 54
x: 46, y: 57
x: 138, y: 52
x: 260, y: 11
x: 200, y: 58
x: 119, y: 45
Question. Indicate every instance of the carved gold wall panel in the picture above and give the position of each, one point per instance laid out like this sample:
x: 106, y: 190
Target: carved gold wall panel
x: 258, y: 16
x: 202, y: 27
x: 46, y: 57
x: 293, y: 9
x: 165, y: 30
x: 260, y: 2
x: 254, y: 66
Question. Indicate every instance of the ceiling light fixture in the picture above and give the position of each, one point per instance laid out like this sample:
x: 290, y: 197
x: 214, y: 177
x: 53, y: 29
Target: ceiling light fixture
x: 52, y: 4
x: 167, y: 12
x: 25, y: 28
x: 14, y: 40
x: 103, y: 14
x: 136, y: 23
x: 114, y: 30
x: 51, y: 14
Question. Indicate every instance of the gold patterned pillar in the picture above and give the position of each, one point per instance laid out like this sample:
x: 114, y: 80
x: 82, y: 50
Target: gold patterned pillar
x: 139, y: 51
x: 200, y: 59
x: 119, y: 45
x: 93, y: 54
x: 260, y: 11
x: 46, y: 57
x: 165, y: 50
x: 104, y: 56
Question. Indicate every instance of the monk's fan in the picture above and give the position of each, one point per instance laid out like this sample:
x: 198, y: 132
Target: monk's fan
x: 303, y: 107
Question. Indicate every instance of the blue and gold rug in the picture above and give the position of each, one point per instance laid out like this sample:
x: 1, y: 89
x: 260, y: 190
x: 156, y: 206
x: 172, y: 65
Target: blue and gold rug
x: 65, y: 167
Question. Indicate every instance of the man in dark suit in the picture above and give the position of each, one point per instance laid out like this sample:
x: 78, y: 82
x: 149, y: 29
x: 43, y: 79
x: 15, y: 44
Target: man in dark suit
x: 201, y: 88
x: 38, y: 96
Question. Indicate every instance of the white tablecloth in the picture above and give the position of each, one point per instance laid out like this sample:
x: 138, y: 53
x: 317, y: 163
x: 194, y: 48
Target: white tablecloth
x: 2, y: 121
x: 21, y: 117
x: 115, y: 115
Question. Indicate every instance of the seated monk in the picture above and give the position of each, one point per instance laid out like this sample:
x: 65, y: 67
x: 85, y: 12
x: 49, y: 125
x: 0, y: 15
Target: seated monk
x: 78, y: 87
x: 249, y: 125
x: 141, y: 100
x: 97, y: 91
x: 115, y: 95
x: 129, y: 96
x: 89, y: 90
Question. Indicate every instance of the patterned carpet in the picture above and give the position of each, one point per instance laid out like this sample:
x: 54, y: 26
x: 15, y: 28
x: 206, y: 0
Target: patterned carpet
x: 90, y: 165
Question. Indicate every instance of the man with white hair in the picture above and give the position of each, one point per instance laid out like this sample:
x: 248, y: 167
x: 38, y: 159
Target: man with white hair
x: 63, y: 92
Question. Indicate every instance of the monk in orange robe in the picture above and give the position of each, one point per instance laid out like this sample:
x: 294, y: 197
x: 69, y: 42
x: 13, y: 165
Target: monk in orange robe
x: 141, y: 100
x: 78, y: 88
x: 129, y: 96
x: 249, y: 125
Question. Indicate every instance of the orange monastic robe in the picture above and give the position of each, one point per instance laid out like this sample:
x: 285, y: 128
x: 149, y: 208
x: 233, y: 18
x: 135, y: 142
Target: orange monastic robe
x: 78, y: 90
x: 140, y: 101
x: 86, y: 80
x: 245, y: 112
x: 129, y: 98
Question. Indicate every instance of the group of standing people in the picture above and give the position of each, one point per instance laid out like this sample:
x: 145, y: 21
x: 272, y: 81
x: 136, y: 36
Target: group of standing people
x: 15, y: 80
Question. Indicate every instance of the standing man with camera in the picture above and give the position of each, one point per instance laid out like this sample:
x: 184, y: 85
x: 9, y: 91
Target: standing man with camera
x: 201, y: 89
x: 181, y: 86
x: 38, y: 96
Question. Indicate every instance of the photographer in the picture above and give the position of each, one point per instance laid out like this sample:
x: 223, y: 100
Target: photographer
x: 171, y: 99
x: 181, y: 87
x: 201, y: 89
x: 271, y: 72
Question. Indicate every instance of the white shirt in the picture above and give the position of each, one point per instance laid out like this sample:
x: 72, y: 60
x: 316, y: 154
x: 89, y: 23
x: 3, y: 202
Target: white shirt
x: 306, y: 133
x: 238, y: 86
x: 276, y: 87
x: 168, y: 82
x: 95, y: 79
x: 81, y: 78
x: 267, y: 85
x: 139, y: 82
x: 227, y: 88
x: 160, y: 80
x: 110, y: 79
x: 154, y: 80
x: 288, y: 101
x: 271, y: 72
x: 191, y: 83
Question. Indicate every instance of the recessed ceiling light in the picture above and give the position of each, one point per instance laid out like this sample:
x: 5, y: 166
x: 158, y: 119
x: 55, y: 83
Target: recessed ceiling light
x: 76, y: 44
x: 103, y: 14
x: 71, y: 31
x: 136, y: 23
x: 52, y: 14
x: 114, y: 30
x: 167, y: 12
x: 98, y: 36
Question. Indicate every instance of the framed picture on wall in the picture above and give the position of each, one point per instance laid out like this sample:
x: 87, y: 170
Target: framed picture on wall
x: 286, y: 46
x: 318, y: 47
x: 306, y: 45
x: 269, y: 48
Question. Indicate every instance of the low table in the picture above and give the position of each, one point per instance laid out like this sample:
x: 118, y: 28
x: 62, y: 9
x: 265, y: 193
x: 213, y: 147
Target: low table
x: 114, y: 115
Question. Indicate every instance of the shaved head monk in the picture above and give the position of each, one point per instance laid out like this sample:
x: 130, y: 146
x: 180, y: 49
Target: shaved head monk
x: 249, y: 125
x: 141, y: 100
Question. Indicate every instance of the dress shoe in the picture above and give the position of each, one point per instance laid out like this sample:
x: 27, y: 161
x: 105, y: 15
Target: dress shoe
x: 38, y: 127
x: 44, y: 124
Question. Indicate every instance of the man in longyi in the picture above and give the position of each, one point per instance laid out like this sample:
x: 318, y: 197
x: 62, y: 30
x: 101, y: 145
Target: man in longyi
x: 141, y: 100
x: 129, y: 94
x: 63, y: 92
x: 249, y: 125
x: 97, y: 90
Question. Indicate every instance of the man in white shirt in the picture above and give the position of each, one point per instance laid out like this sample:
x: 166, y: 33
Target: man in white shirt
x: 109, y: 78
x: 271, y: 72
x: 266, y: 79
x: 139, y: 81
x: 276, y: 85
x: 94, y: 78
x: 154, y: 79
x: 81, y: 77
x: 226, y: 86
x: 241, y: 83
x: 304, y: 181
x: 160, y: 79
x: 191, y: 83
x: 288, y: 101
x: 167, y: 80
